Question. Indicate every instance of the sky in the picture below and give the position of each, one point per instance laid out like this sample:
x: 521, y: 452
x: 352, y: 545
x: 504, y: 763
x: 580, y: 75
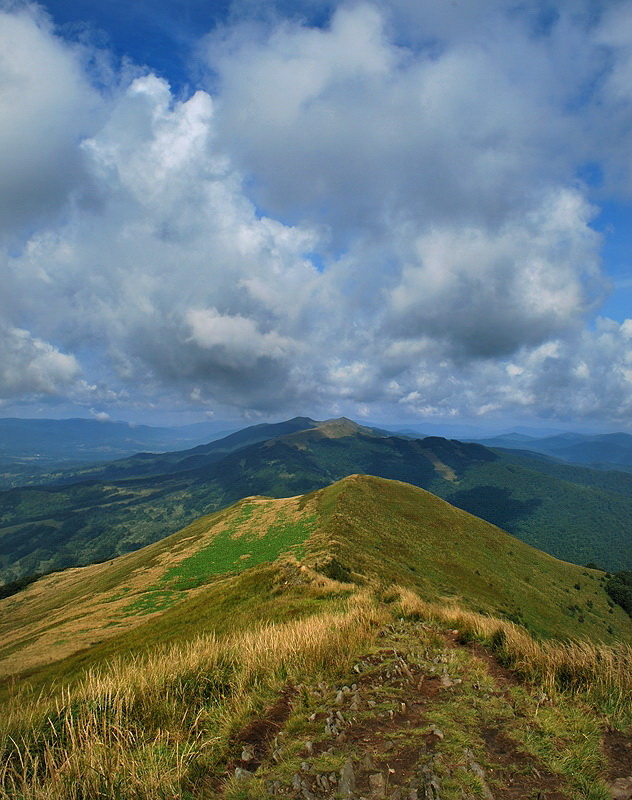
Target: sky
x: 394, y: 210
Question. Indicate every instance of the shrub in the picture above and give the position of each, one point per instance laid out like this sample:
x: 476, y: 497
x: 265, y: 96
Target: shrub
x: 336, y: 571
x: 619, y: 587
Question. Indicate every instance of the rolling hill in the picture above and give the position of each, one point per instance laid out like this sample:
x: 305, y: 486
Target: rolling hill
x: 361, y: 530
x: 601, y: 451
x: 334, y: 644
x: 205, y: 455
x: 55, y: 526
x: 37, y: 450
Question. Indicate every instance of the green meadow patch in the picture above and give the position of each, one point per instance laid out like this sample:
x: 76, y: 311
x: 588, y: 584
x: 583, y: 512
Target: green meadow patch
x: 234, y: 549
x: 153, y: 600
x: 242, y: 544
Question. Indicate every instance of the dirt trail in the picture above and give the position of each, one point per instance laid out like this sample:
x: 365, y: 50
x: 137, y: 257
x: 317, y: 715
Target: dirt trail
x: 424, y: 717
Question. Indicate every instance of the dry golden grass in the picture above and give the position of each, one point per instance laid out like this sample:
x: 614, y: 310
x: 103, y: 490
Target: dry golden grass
x: 149, y: 727
x: 37, y: 628
x: 160, y: 725
x: 603, y: 671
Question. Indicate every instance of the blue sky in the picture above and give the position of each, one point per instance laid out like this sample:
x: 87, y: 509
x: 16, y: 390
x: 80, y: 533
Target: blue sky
x: 615, y: 221
x: 389, y: 209
x: 160, y: 35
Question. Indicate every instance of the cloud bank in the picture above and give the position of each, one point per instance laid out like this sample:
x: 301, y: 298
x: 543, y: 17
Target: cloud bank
x: 382, y: 215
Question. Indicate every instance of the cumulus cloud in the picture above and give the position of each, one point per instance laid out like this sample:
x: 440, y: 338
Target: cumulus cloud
x: 30, y: 366
x: 46, y: 106
x: 489, y: 293
x: 174, y: 277
x: 236, y: 339
x: 614, y: 93
x: 356, y: 218
x: 348, y: 126
x: 584, y: 377
x: 100, y: 416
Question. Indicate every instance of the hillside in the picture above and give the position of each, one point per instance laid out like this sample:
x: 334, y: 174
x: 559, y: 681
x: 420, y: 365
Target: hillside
x: 583, y: 524
x: 611, y: 480
x: 40, y: 450
x: 326, y: 645
x: 601, y: 451
x: 576, y: 514
x: 204, y: 455
x: 361, y: 530
x: 200, y: 457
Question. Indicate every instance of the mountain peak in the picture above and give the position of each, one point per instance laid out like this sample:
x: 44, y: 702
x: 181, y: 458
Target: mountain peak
x: 308, y: 422
x: 342, y: 426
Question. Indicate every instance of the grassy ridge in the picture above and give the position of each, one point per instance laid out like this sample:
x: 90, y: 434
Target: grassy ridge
x: 146, y: 727
x: 573, y: 513
x: 226, y: 554
x: 231, y: 567
x: 168, y: 724
x: 405, y: 534
x: 155, y: 705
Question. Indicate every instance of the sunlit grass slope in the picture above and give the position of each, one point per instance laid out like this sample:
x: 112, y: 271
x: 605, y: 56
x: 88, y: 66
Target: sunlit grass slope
x: 138, y: 677
x: 400, y: 533
x: 173, y: 722
x: 78, y: 608
x: 269, y: 559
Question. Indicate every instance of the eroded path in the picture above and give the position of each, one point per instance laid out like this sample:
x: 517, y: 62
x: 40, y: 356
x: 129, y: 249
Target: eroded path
x: 422, y: 717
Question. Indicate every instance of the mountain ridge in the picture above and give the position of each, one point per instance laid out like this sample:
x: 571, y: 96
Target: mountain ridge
x: 362, y: 530
x: 48, y: 527
x: 327, y: 644
x: 601, y: 451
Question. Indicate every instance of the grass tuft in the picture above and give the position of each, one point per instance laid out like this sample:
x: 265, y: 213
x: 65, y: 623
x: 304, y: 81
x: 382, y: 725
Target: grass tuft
x: 146, y: 726
x: 602, y: 673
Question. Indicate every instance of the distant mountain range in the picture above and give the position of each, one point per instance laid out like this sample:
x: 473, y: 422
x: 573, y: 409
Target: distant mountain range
x: 30, y: 449
x: 33, y: 450
x: 600, y: 451
x: 95, y: 513
x: 55, y: 441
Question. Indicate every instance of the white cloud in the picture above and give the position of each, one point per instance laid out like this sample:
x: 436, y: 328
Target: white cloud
x: 100, y: 416
x: 612, y: 118
x: 434, y: 175
x: 46, y: 105
x: 345, y: 125
x: 174, y: 278
x: 237, y: 341
x: 29, y: 365
x: 488, y: 293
